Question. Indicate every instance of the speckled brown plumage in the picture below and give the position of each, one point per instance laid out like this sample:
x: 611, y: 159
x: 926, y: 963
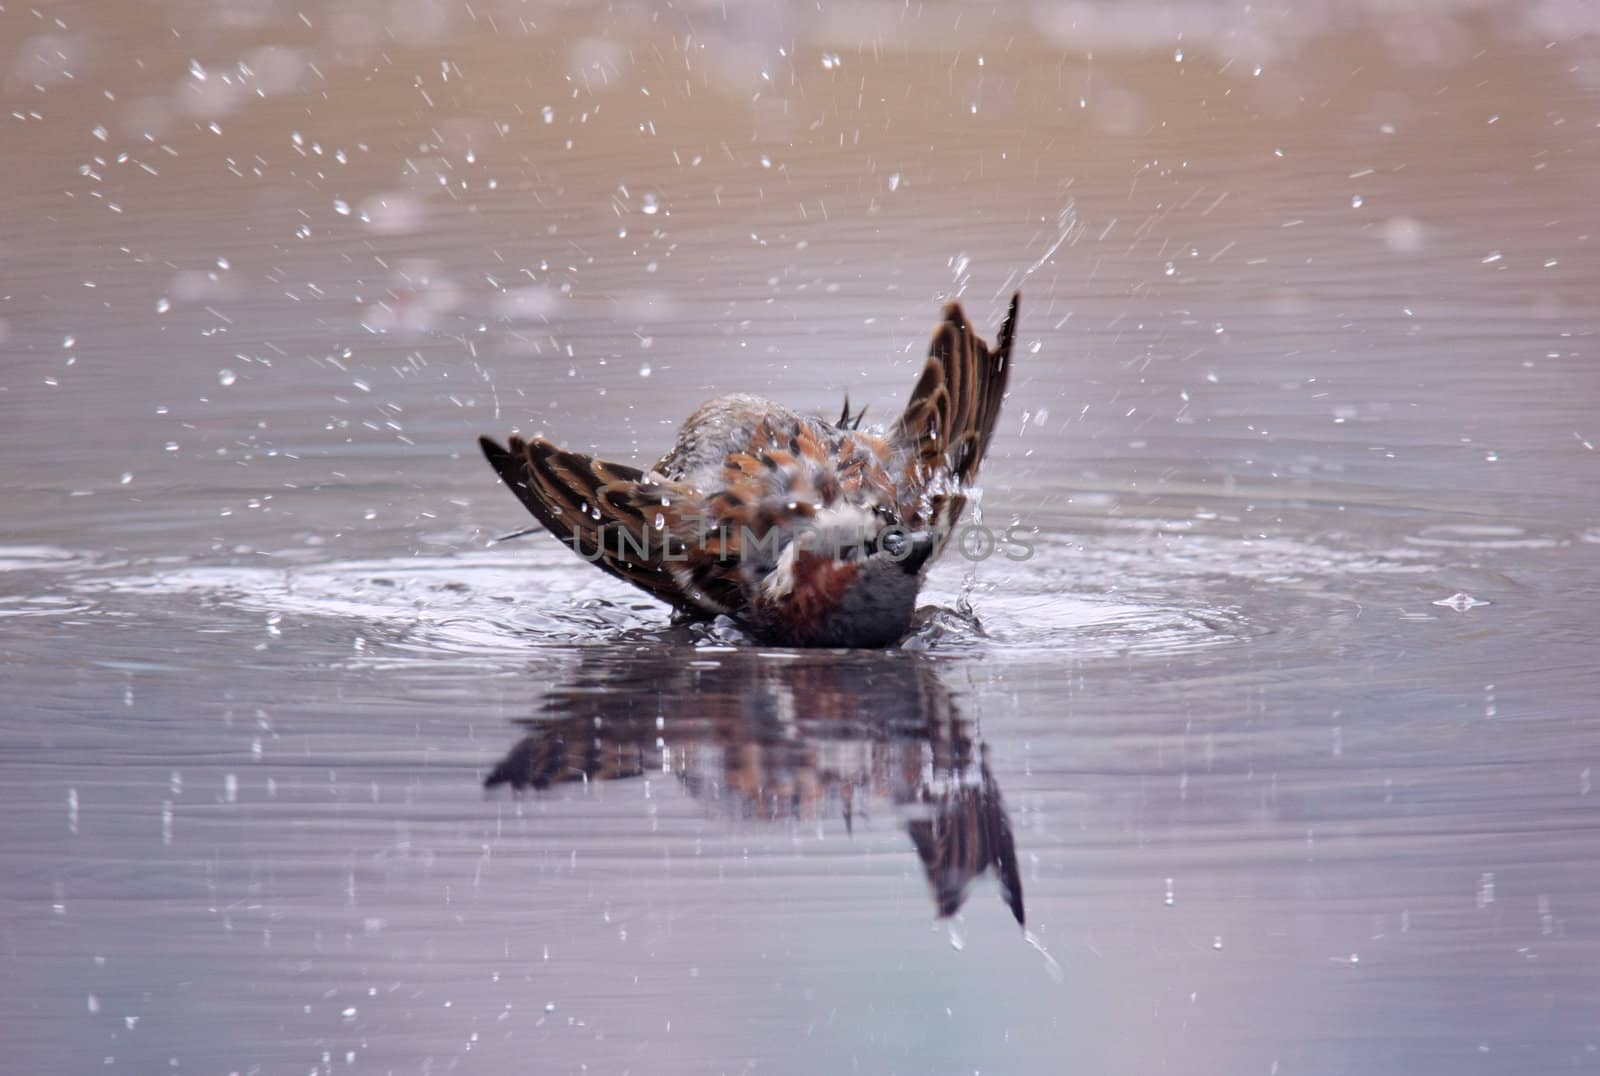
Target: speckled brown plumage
x: 709, y: 529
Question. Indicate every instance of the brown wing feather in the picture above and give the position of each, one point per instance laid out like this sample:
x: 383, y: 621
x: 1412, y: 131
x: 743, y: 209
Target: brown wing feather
x: 948, y: 422
x: 592, y: 503
x: 951, y: 416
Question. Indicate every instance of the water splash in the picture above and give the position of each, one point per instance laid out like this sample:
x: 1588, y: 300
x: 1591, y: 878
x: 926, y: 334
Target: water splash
x: 1052, y: 966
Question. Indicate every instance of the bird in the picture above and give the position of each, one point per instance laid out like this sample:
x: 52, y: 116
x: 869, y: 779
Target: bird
x: 804, y: 531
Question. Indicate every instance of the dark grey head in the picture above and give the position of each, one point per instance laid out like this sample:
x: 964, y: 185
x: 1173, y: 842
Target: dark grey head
x: 844, y: 581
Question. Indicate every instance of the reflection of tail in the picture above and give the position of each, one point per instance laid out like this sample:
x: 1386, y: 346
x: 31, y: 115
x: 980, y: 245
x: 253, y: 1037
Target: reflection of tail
x: 968, y: 833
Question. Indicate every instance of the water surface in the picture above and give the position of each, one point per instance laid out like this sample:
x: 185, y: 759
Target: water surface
x: 1280, y: 746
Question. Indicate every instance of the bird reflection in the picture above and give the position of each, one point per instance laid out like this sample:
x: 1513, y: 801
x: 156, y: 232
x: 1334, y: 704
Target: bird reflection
x: 797, y: 735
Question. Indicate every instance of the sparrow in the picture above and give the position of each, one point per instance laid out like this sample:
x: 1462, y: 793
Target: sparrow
x: 805, y: 532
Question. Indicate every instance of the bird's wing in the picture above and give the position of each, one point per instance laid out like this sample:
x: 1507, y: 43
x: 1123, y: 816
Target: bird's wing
x: 638, y: 527
x: 946, y: 426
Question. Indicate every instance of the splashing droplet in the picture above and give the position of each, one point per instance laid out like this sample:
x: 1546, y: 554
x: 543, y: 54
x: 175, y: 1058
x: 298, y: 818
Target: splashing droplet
x: 1461, y: 602
x: 1051, y: 966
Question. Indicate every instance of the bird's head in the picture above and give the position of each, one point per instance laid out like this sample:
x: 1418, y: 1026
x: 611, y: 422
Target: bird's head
x: 848, y: 577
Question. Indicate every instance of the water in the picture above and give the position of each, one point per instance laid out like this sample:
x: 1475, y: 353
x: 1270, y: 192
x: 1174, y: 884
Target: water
x: 1282, y: 744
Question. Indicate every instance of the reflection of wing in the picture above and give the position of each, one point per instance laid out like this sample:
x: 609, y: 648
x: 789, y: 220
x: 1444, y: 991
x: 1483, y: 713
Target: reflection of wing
x: 552, y: 754
x: 968, y: 833
x: 784, y: 740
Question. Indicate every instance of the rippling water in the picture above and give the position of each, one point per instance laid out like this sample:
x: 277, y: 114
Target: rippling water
x: 1276, y: 756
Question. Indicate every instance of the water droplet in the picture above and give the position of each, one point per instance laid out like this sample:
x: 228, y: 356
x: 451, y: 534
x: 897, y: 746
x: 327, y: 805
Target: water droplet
x: 1051, y: 966
x: 1356, y: 201
x: 341, y: 207
x: 163, y: 304
x: 197, y: 70
x: 1404, y: 235
x: 226, y: 377
x: 648, y: 205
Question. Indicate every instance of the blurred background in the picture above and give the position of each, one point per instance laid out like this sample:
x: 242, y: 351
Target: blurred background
x: 1286, y: 733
